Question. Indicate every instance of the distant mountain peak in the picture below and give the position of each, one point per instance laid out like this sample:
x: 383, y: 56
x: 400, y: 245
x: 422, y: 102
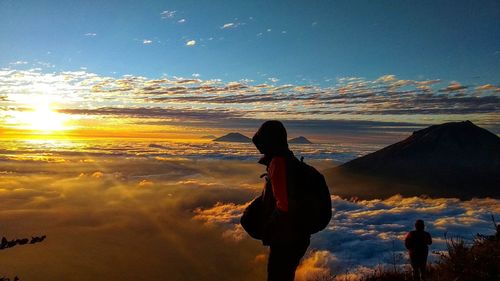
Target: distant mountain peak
x: 456, y: 159
x: 300, y: 140
x: 233, y: 137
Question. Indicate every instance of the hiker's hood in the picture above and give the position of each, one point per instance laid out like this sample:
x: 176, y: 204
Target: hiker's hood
x: 271, y: 139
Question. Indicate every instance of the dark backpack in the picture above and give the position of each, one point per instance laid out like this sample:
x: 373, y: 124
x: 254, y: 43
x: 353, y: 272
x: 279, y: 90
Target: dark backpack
x: 309, y: 199
x: 311, y: 196
x: 257, y: 214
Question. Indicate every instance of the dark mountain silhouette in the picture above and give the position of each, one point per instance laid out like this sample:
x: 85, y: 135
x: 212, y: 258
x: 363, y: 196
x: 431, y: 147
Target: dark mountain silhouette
x: 457, y: 159
x: 300, y: 140
x: 233, y: 137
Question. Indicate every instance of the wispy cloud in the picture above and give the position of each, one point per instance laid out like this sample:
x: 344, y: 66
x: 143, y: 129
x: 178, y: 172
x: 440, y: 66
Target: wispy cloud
x: 147, y: 42
x: 168, y: 14
x: 191, y: 43
x: 19, y: 62
x: 232, y: 25
x: 90, y: 34
x: 453, y: 87
x: 228, y: 25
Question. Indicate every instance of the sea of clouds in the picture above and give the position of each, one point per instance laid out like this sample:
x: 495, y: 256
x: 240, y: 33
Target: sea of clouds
x: 205, y: 149
x: 115, y: 217
x: 369, y: 233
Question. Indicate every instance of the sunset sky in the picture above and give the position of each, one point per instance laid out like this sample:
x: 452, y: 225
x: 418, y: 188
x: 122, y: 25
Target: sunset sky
x: 184, y: 69
x: 108, y: 109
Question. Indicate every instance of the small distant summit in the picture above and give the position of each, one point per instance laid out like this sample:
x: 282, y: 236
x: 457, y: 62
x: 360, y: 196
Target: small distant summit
x: 233, y: 137
x: 300, y: 140
x: 210, y: 137
x: 456, y: 159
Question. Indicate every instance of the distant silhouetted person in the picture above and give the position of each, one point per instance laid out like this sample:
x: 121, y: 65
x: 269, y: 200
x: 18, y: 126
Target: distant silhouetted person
x: 37, y: 239
x: 288, y: 243
x: 417, y: 242
x: 4, y: 243
x: 496, y: 237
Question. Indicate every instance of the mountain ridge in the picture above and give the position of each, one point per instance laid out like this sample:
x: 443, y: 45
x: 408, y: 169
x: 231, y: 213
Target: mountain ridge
x: 456, y: 159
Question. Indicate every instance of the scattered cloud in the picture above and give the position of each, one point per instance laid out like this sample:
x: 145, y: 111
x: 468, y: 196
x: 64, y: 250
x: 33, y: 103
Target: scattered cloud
x: 90, y: 34
x: 19, y: 62
x: 228, y: 25
x: 488, y: 87
x: 195, y: 75
x: 168, y: 14
x: 453, y: 87
x: 351, y: 98
x: 387, y: 78
x: 147, y: 42
x: 232, y: 25
x: 181, y: 21
x: 191, y: 43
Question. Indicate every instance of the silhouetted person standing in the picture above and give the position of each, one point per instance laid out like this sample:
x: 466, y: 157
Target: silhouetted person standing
x: 417, y: 242
x: 497, y: 235
x: 288, y: 242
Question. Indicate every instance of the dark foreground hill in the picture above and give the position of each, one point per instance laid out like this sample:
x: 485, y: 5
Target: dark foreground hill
x: 233, y: 137
x: 457, y: 159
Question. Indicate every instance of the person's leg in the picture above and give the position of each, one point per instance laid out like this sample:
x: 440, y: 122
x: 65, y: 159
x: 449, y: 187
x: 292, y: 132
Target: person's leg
x: 284, y: 259
x: 423, y: 269
x: 416, y: 271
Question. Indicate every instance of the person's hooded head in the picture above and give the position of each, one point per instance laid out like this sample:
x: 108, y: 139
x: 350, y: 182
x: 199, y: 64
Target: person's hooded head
x: 419, y: 225
x: 271, y: 139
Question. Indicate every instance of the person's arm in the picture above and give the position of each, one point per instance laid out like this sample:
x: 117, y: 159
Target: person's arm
x: 277, y: 174
x: 408, y: 241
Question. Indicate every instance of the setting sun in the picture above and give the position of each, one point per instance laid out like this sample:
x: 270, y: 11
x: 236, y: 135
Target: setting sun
x: 45, y: 119
x: 41, y: 117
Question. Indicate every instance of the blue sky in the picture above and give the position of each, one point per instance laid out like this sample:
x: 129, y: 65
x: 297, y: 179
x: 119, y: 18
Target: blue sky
x: 299, y: 42
x: 228, y: 64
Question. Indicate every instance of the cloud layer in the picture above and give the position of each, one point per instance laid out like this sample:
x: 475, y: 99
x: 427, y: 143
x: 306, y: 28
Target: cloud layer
x: 366, y: 234
x: 159, y: 217
x: 135, y: 213
x: 174, y: 99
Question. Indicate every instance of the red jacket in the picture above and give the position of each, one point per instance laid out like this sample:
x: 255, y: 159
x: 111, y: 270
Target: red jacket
x: 417, y: 242
x: 277, y: 174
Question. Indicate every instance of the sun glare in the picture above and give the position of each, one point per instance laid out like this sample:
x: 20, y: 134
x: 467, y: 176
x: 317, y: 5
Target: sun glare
x: 41, y: 118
